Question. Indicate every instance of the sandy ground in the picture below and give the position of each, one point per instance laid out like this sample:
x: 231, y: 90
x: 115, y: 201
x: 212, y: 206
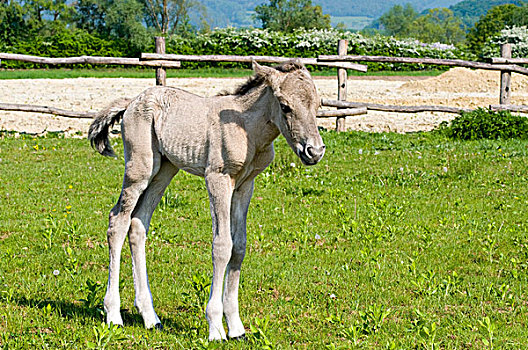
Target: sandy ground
x: 458, y: 87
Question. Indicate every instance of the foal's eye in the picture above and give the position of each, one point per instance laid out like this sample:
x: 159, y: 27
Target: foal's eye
x: 285, y: 108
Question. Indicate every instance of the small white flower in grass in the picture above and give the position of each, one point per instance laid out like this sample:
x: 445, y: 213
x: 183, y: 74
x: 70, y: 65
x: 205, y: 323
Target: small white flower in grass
x: 292, y: 165
x: 56, y: 272
x: 317, y: 236
x: 401, y: 169
x: 376, y: 153
x: 332, y: 296
x: 360, y: 151
x: 419, y: 157
x: 444, y: 169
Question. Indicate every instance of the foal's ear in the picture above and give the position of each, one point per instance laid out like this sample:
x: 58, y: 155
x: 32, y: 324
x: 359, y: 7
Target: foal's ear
x: 270, y: 75
x: 261, y: 70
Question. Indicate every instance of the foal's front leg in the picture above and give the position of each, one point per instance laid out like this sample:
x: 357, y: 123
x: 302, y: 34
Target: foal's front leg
x: 239, y: 208
x: 220, y: 188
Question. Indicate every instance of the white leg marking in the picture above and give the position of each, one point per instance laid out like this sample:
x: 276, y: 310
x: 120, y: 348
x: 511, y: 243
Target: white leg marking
x: 239, y: 209
x: 137, y: 237
x: 220, y: 191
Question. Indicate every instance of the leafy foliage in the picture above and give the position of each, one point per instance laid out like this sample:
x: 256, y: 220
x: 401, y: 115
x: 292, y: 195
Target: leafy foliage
x: 485, y: 124
x: 397, y: 21
x: 288, y: 15
x: 470, y: 11
x: 435, y: 25
x: 495, y: 20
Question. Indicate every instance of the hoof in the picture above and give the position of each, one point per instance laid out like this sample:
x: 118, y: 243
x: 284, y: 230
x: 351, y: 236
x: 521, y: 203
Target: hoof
x: 157, y: 327
x: 241, y: 337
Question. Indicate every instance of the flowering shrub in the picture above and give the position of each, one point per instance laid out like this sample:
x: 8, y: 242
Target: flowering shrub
x: 514, y: 35
x: 305, y: 43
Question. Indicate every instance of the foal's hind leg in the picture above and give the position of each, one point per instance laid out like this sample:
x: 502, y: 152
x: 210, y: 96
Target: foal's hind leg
x: 137, y: 236
x: 140, y: 167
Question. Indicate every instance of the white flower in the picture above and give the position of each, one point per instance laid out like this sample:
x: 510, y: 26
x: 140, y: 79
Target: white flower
x: 360, y: 151
x: 332, y: 296
x: 317, y: 236
x: 292, y: 165
x: 56, y: 272
x: 444, y: 169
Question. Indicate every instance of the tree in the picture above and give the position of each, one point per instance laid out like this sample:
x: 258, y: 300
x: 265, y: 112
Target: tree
x: 12, y: 23
x: 490, y: 25
x: 121, y: 19
x: 438, y: 25
x: 287, y: 15
x: 398, y: 20
x: 171, y: 16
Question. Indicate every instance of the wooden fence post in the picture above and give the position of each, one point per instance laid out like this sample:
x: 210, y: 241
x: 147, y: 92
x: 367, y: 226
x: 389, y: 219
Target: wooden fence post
x: 342, y: 47
x: 161, y: 74
x: 505, y: 90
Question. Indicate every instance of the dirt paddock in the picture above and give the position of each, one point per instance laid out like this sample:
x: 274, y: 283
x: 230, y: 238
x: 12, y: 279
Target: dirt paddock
x: 458, y: 87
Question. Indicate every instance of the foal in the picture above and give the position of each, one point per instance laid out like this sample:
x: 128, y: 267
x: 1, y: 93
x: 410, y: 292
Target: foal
x: 228, y: 140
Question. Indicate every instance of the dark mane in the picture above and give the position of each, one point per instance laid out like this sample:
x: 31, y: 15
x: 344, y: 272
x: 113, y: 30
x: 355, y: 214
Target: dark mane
x: 256, y: 80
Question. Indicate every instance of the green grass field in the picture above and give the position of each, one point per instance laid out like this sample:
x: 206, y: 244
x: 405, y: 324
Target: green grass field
x: 392, y: 241
x: 62, y: 73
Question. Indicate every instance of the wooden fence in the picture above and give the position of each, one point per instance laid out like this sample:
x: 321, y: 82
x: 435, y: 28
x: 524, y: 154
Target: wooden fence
x: 343, y: 62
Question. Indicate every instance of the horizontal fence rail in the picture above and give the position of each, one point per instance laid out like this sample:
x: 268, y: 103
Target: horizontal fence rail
x: 393, y: 108
x: 126, y: 61
x: 433, y: 61
x: 249, y: 59
x: 72, y: 114
x: 45, y: 109
x: 503, y: 60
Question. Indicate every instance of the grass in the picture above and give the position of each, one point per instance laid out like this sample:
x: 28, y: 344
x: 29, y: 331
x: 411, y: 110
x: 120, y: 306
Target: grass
x: 392, y: 241
x: 63, y: 73
x: 352, y: 22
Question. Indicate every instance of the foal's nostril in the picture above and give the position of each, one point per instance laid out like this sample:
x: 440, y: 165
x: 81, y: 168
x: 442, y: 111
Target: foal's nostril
x: 310, y: 151
x: 313, y: 152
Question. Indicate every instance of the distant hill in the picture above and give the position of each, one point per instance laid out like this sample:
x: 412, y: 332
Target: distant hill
x: 238, y: 13
x: 355, y: 14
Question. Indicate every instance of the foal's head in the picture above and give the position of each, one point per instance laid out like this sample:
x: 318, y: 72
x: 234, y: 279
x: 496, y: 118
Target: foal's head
x: 294, y: 108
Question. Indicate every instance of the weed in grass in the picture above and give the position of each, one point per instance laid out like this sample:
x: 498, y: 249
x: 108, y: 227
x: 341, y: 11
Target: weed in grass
x: 52, y: 229
x: 72, y: 264
x: 93, y: 301
x: 424, y: 329
x: 373, y: 318
x: 259, y: 334
x: 487, y: 330
x: 106, y: 336
x: 199, y: 285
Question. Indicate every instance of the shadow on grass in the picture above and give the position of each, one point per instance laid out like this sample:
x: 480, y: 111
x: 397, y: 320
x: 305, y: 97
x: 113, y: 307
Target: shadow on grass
x: 76, y: 309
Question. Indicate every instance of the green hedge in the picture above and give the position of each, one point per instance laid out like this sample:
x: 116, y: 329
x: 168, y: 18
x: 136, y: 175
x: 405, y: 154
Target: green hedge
x: 64, y: 43
x: 244, y: 42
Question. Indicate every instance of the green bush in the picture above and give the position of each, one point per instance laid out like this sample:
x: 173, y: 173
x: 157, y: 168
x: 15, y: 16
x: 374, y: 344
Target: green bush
x: 64, y: 42
x: 486, y: 124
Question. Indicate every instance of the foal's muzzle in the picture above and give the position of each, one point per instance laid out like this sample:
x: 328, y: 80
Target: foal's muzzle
x: 311, y: 155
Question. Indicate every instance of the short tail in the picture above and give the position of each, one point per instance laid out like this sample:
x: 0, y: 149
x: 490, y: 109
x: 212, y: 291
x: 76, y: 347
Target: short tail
x: 104, y: 120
